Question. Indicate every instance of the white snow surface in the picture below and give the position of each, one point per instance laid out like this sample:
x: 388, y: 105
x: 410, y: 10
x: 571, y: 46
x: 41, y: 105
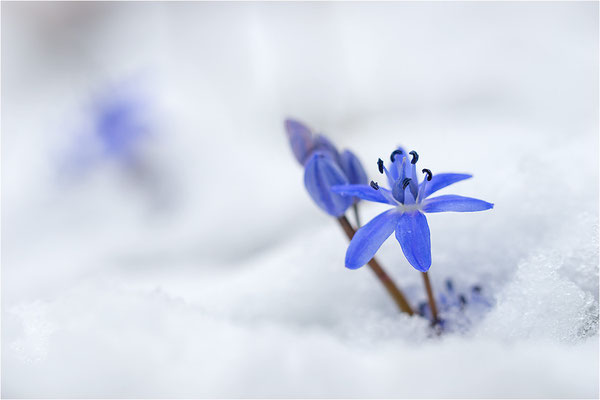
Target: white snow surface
x: 207, y: 271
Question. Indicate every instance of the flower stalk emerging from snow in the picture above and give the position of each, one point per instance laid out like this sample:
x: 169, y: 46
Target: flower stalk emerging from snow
x: 384, y: 278
x: 409, y: 200
x: 324, y: 168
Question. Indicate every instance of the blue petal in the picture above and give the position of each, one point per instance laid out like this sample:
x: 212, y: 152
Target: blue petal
x: 320, y: 174
x: 365, y: 192
x: 452, y: 202
x: 403, y: 195
x: 414, y: 180
x: 369, y: 239
x: 353, y: 168
x: 321, y: 143
x: 440, y: 181
x: 396, y: 166
x: 412, y: 232
x: 300, y: 138
x: 408, y: 196
x: 397, y: 191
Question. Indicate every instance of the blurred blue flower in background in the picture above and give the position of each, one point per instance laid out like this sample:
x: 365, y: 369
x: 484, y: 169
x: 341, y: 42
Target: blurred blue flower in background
x: 458, y: 308
x: 410, y: 201
x: 117, y: 126
x: 117, y: 139
x: 121, y: 124
x: 324, y: 167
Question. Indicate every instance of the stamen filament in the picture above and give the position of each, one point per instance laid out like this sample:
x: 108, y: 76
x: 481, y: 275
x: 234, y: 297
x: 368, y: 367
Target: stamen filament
x: 428, y: 177
x: 383, y: 169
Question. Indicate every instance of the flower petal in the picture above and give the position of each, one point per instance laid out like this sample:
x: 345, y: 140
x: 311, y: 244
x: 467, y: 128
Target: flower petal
x: 412, y: 232
x: 323, y: 144
x: 320, y: 174
x: 396, y: 166
x: 440, y: 181
x: 365, y: 192
x: 369, y: 239
x: 414, y: 180
x: 353, y: 168
x: 408, y: 196
x: 398, y: 191
x: 300, y: 138
x: 452, y: 202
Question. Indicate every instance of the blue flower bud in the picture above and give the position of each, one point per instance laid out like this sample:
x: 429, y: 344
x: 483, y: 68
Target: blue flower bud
x: 323, y: 144
x: 353, y: 168
x: 320, y: 174
x: 301, y: 140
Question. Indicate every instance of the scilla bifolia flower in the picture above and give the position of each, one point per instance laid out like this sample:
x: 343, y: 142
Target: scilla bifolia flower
x: 409, y: 200
x: 324, y: 168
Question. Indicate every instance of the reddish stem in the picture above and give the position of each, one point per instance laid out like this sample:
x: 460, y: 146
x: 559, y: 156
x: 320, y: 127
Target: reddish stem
x: 432, y: 306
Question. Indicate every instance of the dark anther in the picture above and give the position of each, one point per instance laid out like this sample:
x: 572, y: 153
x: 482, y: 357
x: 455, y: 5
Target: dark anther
x: 462, y: 299
x: 393, y: 155
x: 374, y: 185
x: 405, y: 182
x: 415, y: 157
x: 476, y: 289
x: 428, y: 172
x: 380, y: 165
x: 449, y: 285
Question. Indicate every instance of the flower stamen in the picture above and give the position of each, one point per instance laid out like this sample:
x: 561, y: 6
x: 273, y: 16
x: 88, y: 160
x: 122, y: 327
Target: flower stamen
x: 428, y: 173
x: 415, y: 157
x: 394, y: 153
x: 374, y: 185
x: 383, y: 169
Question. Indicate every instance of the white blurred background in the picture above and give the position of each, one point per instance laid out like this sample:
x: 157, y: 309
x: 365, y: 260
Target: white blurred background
x: 181, y: 255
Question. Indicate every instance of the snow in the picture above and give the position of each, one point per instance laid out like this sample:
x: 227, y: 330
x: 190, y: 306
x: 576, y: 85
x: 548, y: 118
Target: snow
x: 202, y: 269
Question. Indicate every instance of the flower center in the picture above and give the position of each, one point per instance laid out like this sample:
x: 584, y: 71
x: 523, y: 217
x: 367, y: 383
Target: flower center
x: 406, y: 208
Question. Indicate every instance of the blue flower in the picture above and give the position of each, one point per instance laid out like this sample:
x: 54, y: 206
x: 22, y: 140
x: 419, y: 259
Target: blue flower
x: 410, y: 200
x: 451, y: 299
x: 324, y: 167
x: 459, y: 310
x: 120, y: 123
